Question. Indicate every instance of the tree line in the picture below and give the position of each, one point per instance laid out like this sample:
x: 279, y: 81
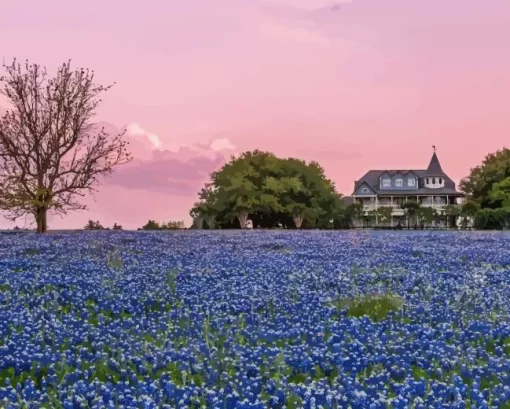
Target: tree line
x: 150, y: 225
x: 51, y: 155
x: 290, y: 193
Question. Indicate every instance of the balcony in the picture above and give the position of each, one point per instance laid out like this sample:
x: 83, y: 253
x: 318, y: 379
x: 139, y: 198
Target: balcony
x: 397, y: 208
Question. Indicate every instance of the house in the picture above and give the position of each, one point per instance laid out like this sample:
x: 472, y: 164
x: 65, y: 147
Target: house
x: 431, y: 187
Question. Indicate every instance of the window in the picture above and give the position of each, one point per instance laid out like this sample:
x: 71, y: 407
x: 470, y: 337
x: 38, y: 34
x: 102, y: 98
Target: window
x: 411, y: 182
x: 440, y: 181
x: 364, y: 190
x: 399, y: 182
x: 433, y: 181
x: 386, y: 182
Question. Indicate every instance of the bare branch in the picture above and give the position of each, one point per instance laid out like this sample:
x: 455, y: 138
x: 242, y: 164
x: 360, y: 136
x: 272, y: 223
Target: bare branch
x: 50, y: 153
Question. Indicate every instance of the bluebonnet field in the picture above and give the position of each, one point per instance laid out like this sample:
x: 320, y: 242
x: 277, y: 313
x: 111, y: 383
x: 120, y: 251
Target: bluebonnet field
x: 255, y: 320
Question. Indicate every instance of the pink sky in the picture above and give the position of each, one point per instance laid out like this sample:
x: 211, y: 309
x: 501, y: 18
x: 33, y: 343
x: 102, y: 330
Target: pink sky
x: 353, y: 84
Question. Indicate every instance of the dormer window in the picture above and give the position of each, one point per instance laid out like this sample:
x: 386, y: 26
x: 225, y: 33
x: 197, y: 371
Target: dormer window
x: 440, y: 181
x: 411, y: 182
x: 399, y: 182
x: 386, y: 182
x: 433, y: 181
x: 427, y: 181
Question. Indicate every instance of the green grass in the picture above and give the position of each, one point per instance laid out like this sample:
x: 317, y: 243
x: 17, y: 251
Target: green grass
x: 375, y: 306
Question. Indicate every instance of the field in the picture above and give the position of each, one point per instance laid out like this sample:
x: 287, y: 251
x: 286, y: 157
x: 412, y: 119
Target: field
x: 255, y: 320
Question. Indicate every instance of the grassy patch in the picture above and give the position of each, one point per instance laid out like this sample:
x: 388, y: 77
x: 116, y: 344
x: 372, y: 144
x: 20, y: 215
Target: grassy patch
x: 375, y: 306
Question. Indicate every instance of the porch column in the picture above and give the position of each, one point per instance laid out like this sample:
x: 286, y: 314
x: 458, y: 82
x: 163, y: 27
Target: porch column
x: 376, y: 216
x: 447, y: 217
x: 391, y: 205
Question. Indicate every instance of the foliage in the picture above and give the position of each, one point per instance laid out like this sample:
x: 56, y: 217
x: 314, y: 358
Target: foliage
x: 500, y: 193
x: 469, y: 208
x: 171, y: 225
x: 207, y: 208
x: 384, y: 214
x: 49, y: 152
x: 116, y: 227
x: 479, y: 184
x: 354, y: 212
x: 451, y: 210
x: 426, y: 215
x: 258, y: 184
x: 492, y: 218
x: 411, y: 208
x: 151, y: 225
x: 93, y: 225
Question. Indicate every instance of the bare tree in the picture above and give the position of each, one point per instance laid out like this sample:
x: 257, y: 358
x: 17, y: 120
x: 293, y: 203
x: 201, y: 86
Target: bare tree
x: 50, y: 152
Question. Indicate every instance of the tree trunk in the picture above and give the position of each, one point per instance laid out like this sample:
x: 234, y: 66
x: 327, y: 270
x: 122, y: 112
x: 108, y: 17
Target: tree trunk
x: 298, y: 221
x: 211, y: 222
x: 40, y: 217
x: 198, y: 223
x: 243, y: 218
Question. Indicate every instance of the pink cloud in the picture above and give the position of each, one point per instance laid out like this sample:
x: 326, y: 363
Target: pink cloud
x: 158, y: 175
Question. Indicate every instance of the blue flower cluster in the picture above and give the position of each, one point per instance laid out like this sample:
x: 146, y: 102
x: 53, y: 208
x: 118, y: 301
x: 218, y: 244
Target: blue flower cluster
x: 255, y: 320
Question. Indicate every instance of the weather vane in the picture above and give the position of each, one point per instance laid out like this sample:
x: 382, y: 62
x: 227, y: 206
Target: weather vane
x: 434, y: 147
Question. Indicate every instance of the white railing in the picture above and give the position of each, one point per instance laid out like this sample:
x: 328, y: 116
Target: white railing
x: 372, y: 206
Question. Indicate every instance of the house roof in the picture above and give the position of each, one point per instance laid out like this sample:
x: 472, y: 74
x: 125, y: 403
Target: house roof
x: 371, y: 178
x: 434, y: 168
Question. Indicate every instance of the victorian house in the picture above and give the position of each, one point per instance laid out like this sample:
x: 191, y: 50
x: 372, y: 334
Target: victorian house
x: 392, y: 188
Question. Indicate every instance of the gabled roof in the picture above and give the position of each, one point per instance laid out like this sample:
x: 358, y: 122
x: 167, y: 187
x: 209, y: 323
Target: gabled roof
x: 367, y: 186
x: 372, y: 177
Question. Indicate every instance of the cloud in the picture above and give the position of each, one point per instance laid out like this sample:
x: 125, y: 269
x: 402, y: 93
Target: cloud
x: 159, y: 166
x: 137, y: 130
x: 167, y: 173
x: 222, y: 144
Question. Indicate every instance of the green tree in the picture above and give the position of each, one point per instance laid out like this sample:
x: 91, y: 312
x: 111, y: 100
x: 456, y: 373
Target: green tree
x: 426, y: 215
x: 307, y: 194
x: 207, y: 208
x: 152, y: 225
x: 468, y: 212
x: 116, y: 227
x: 384, y: 214
x: 286, y: 191
x: 451, y: 212
x: 173, y: 225
x: 93, y: 225
x: 495, y: 168
x: 354, y: 213
x: 411, y: 210
x: 197, y: 216
x: 239, y: 185
x: 370, y: 217
x: 485, y: 218
x: 500, y: 193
